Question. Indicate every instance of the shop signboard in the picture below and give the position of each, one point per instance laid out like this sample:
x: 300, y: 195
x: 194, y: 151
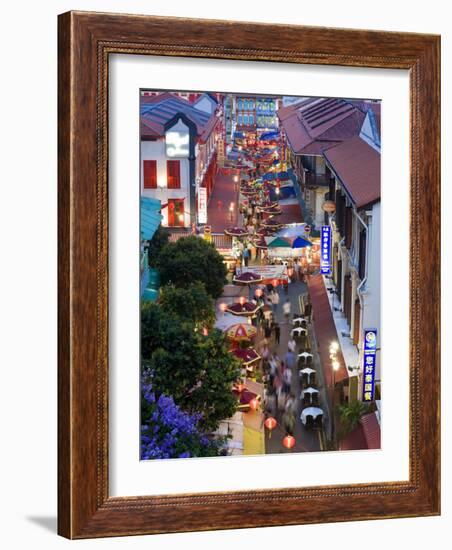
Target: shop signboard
x: 325, y: 250
x: 369, y: 364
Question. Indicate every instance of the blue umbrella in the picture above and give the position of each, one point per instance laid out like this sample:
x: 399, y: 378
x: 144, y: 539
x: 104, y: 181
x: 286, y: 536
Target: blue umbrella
x: 269, y: 135
x: 300, y: 242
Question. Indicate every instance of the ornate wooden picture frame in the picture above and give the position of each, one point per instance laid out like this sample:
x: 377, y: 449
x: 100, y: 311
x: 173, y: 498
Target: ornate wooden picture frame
x: 86, y: 41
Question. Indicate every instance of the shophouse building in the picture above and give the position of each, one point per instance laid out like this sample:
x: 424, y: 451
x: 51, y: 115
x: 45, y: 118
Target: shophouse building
x: 178, y: 155
x: 310, y: 127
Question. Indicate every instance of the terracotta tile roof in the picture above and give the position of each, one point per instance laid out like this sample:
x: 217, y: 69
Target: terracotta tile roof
x: 314, y: 125
x: 367, y: 435
x: 372, y: 431
x: 354, y: 441
x: 357, y: 165
x: 325, y: 329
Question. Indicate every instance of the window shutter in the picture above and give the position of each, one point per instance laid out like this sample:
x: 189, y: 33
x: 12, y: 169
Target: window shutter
x: 150, y: 174
x: 173, y: 174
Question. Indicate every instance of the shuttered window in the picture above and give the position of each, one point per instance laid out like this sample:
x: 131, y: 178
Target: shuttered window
x: 173, y: 174
x: 150, y: 174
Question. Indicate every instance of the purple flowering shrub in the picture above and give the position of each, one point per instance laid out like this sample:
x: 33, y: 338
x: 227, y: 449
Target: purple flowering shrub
x: 169, y: 432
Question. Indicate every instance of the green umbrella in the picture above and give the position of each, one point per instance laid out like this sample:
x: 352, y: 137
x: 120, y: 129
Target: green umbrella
x: 279, y: 242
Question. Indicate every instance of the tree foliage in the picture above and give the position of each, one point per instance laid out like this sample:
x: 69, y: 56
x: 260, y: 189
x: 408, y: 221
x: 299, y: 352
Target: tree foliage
x: 190, y: 260
x: 196, y: 370
x: 159, y: 240
x: 351, y: 414
x: 191, y: 303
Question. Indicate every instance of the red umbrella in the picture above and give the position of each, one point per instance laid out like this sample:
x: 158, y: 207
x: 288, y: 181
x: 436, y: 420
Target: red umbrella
x: 236, y: 231
x: 247, y: 278
x: 271, y: 223
x: 240, y: 332
x: 246, y: 309
x: 260, y: 243
x: 273, y: 210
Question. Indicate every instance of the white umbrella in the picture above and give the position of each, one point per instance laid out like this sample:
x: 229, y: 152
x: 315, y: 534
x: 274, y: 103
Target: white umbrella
x: 309, y: 390
x: 298, y: 320
x: 305, y: 354
x: 307, y: 370
x: 299, y: 330
x: 310, y: 411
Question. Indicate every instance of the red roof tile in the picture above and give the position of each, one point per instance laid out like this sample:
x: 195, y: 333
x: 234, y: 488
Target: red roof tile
x: 314, y: 126
x: 325, y: 329
x: 367, y: 435
x: 372, y: 431
x: 357, y: 165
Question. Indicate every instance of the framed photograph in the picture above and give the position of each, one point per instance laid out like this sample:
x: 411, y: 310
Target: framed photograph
x: 249, y: 267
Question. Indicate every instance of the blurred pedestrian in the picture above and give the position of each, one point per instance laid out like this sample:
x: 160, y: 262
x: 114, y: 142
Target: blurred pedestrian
x: 277, y: 330
x: 291, y: 344
x: 296, y: 269
x: 246, y: 256
x: 274, y: 297
x: 287, y: 380
x: 290, y: 359
x: 286, y: 309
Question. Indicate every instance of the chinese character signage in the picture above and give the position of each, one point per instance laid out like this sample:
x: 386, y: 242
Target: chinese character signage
x: 325, y: 250
x: 370, y: 357
x: 202, y: 205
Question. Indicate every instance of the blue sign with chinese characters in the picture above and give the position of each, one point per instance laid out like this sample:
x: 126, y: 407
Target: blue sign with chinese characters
x: 370, y: 359
x: 325, y: 250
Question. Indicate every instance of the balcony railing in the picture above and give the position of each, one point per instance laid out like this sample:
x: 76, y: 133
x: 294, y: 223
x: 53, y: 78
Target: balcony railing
x: 316, y: 180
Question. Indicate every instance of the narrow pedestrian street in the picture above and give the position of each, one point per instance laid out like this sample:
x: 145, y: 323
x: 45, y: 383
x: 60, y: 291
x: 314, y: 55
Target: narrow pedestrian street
x: 293, y: 240
x: 305, y: 440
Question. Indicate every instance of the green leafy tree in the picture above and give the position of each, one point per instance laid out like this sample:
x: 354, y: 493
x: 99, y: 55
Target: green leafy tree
x: 159, y: 240
x: 196, y: 370
x: 189, y: 260
x: 190, y: 303
x: 351, y: 414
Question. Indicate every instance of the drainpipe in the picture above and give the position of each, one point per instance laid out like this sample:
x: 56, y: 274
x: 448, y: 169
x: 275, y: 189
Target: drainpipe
x: 361, y: 284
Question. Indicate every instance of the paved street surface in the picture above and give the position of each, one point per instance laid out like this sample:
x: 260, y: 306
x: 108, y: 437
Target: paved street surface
x: 305, y: 440
x: 225, y: 192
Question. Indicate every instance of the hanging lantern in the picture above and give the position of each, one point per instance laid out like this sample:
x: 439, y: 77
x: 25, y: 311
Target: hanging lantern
x: 288, y: 441
x: 329, y: 207
x: 254, y: 404
x: 270, y: 423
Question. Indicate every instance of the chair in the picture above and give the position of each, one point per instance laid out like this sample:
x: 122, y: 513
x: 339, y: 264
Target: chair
x: 318, y: 422
x: 309, y: 422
